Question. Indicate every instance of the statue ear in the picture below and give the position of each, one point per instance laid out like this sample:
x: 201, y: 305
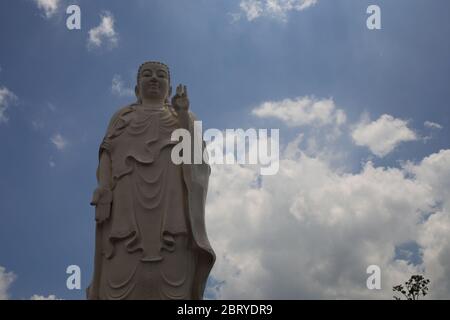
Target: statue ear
x: 170, y: 91
x: 136, y: 92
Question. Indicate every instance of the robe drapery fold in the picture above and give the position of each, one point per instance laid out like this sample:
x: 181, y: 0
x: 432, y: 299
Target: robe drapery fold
x: 157, y: 207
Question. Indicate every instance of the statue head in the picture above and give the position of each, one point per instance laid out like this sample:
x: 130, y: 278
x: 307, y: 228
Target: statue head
x: 153, y: 82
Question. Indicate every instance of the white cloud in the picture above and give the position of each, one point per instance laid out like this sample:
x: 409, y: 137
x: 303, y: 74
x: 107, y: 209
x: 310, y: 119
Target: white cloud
x: 434, y: 170
x: 6, y: 97
x: 39, y: 297
x: 434, y: 236
x: 118, y: 87
x: 37, y: 124
x: 59, y: 141
x: 253, y: 9
x: 6, y: 279
x: 312, y: 230
x: 432, y: 125
x: 104, y: 33
x: 48, y: 6
x: 302, y: 111
x: 383, y: 135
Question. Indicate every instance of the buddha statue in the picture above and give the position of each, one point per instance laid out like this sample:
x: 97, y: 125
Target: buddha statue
x: 151, y: 240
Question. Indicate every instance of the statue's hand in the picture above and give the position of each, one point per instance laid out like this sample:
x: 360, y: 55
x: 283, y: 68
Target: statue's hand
x: 102, y: 199
x: 180, y: 100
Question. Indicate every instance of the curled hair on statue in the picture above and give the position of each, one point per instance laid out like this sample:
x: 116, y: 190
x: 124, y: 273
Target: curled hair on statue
x: 152, y: 62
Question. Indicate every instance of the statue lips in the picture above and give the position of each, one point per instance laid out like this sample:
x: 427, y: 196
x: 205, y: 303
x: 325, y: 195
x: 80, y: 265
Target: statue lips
x: 153, y: 89
x: 153, y: 84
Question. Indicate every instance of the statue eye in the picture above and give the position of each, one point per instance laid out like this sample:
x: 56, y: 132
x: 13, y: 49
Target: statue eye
x: 146, y: 74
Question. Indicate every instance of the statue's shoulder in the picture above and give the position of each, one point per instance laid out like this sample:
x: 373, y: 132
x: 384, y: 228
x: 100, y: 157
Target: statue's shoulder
x: 120, y: 115
x: 123, y: 111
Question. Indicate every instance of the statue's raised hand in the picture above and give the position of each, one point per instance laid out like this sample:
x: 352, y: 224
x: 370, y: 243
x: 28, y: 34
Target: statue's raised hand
x: 180, y: 100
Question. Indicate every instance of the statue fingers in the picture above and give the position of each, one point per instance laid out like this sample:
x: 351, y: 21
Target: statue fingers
x: 102, y: 212
x: 95, y: 198
x: 179, y: 90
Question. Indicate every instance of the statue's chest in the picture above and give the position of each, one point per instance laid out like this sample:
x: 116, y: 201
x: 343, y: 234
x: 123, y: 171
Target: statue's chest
x: 139, y: 127
x: 141, y: 137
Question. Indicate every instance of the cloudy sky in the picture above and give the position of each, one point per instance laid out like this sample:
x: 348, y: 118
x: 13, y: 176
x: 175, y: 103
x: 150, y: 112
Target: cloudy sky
x: 364, y: 122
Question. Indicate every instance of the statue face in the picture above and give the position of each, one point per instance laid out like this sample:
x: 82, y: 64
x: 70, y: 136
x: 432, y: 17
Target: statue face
x: 153, y: 82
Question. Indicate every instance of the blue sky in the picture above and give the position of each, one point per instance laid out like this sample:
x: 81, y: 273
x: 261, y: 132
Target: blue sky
x: 61, y: 89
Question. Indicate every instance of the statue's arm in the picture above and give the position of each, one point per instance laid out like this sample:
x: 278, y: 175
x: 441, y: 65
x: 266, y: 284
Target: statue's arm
x: 104, y: 177
x: 184, y: 118
x: 102, y: 197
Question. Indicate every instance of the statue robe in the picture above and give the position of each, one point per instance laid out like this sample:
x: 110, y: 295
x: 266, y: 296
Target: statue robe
x: 154, y: 244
